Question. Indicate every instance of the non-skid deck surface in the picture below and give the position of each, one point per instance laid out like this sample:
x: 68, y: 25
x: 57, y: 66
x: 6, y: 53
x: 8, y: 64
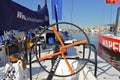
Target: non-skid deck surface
x: 104, y: 71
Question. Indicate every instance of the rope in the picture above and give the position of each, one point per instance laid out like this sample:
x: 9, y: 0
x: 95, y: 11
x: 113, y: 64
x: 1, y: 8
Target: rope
x: 110, y: 13
x: 17, y: 1
x: 72, y: 11
x: 31, y: 4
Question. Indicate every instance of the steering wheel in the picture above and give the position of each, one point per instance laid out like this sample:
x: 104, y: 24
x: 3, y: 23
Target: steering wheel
x: 65, y: 58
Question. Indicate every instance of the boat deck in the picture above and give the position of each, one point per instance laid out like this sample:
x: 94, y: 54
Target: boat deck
x: 104, y: 70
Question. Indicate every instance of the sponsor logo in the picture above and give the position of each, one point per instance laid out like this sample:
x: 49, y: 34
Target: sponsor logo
x: 56, y: 63
x: 22, y: 16
x: 111, y: 44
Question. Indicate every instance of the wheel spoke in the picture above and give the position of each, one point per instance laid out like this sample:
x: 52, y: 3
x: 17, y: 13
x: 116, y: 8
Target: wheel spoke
x: 69, y: 67
x: 73, y: 65
x: 48, y: 56
x: 57, y: 35
x: 76, y: 43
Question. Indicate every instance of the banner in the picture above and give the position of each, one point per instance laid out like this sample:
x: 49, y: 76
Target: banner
x: 15, y: 16
x: 112, y: 1
x: 58, y: 5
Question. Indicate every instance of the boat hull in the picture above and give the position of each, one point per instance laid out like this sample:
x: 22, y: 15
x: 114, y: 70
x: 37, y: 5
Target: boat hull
x: 109, y: 49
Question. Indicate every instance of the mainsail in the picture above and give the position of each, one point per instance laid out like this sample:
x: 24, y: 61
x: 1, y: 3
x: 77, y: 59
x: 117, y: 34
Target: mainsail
x: 15, y: 16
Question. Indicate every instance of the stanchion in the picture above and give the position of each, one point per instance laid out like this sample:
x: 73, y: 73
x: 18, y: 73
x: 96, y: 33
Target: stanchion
x: 30, y: 65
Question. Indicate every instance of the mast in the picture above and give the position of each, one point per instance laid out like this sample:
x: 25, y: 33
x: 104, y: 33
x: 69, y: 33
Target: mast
x: 116, y: 23
x: 56, y: 17
x: 39, y: 7
x: 45, y: 1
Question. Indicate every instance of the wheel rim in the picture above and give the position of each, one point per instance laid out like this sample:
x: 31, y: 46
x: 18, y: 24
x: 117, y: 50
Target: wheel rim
x: 45, y: 62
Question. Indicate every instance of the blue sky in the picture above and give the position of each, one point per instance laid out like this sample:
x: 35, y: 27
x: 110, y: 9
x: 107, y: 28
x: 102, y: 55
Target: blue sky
x: 84, y: 13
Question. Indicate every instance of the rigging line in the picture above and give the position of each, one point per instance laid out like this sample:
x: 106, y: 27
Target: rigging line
x: 17, y: 1
x: 30, y: 6
x: 65, y: 20
x: 72, y: 11
x: 102, y: 15
x: 71, y: 14
x: 63, y: 17
x: 110, y: 13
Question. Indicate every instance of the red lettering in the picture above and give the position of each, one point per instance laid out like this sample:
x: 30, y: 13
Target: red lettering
x: 115, y: 46
x: 112, y: 1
